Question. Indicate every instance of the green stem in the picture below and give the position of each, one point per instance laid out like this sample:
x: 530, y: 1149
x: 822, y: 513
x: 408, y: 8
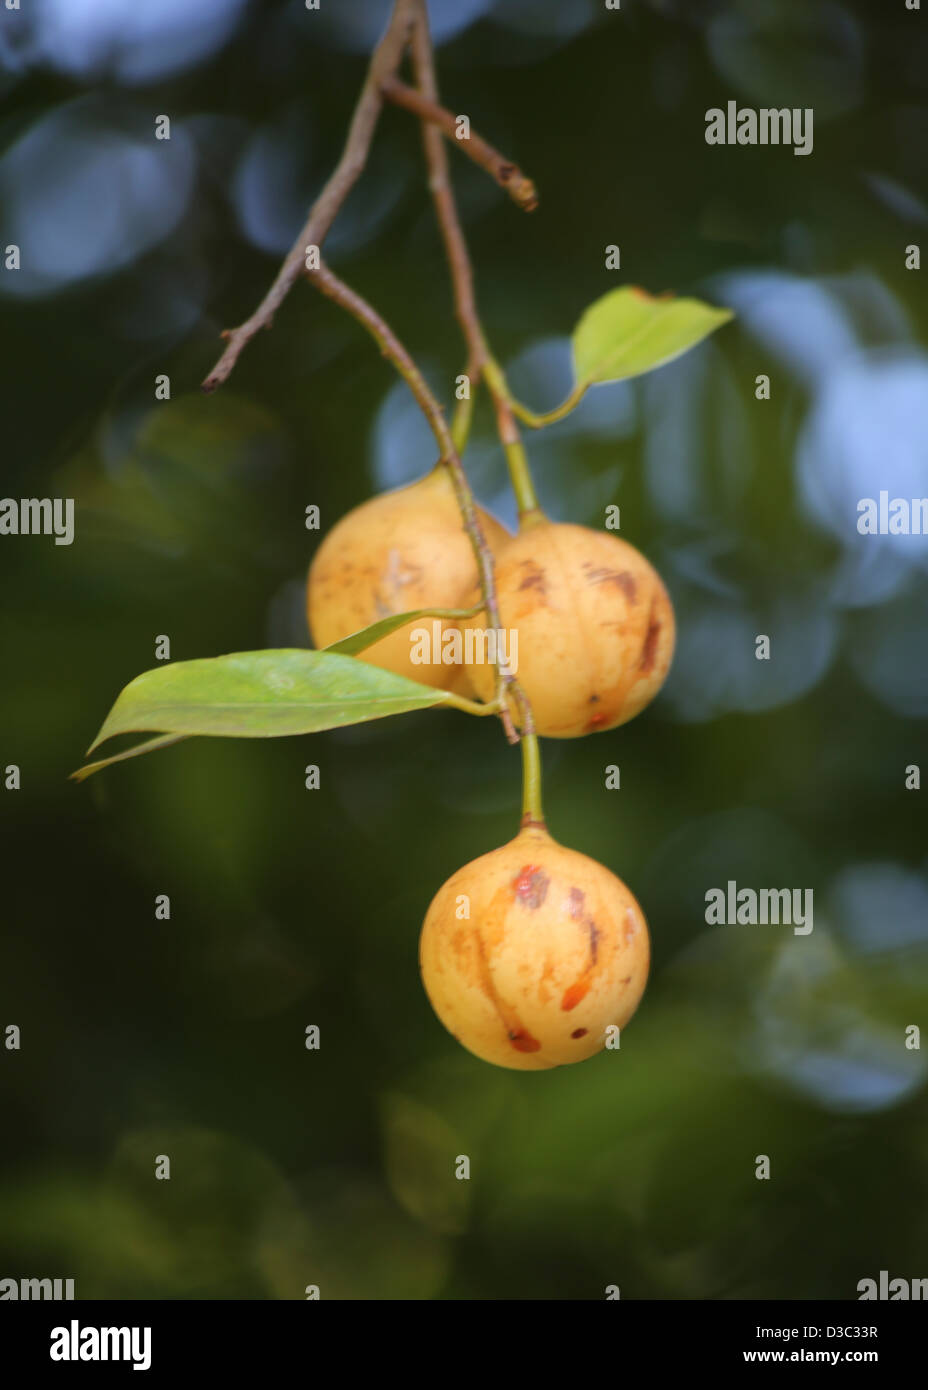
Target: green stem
x: 499, y: 385
x: 537, y: 422
x: 516, y: 458
x: 461, y: 420
x: 470, y: 706
x: 366, y: 636
x: 532, y: 813
x: 521, y: 478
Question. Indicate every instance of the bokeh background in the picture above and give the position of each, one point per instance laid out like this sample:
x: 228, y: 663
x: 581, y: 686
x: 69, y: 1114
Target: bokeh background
x: 292, y: 907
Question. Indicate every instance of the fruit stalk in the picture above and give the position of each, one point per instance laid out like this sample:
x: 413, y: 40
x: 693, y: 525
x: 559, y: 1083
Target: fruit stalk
x: 532, y: 813
x: 517, y: 462
x: 463, y: 415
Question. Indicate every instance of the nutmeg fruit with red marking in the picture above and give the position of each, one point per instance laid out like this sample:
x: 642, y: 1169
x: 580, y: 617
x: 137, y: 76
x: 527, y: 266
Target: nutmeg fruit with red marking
x: 400, y: 551
x: 530, y: 953
x: 594, y: 623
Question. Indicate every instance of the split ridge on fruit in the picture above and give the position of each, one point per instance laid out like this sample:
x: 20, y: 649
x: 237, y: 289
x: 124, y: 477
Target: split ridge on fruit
x: 397, y: 552
x: 552, y: 951
x: 595, y: 626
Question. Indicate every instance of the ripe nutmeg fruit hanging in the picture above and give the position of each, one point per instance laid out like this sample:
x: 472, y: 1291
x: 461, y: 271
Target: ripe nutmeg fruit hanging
x: 552, y: 951
x: 594, y: 622
x: 398, y: 552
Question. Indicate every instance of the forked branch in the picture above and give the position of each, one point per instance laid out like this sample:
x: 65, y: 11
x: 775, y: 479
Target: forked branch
x: 385, y: 60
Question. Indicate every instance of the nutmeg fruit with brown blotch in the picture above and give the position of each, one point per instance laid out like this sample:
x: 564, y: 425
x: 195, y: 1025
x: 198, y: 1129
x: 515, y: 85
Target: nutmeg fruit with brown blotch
x: 531, y: 952
x: 400, y: 551
x: 594, y: 624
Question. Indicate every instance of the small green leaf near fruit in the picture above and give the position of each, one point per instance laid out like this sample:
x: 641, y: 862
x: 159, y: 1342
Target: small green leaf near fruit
x: 624, y: 334
x: 628, y: 332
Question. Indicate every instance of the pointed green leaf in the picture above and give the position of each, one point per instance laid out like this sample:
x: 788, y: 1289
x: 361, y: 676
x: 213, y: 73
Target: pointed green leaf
x: 263, y: 694
x: 628, y: 332
x: 149, y: 746
x: 366, y: 636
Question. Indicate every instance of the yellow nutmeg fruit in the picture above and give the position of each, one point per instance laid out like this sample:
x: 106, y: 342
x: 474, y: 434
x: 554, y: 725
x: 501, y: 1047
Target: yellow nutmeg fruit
x: 528, y: 954
x: 397, y: 552
x: 594, y: 626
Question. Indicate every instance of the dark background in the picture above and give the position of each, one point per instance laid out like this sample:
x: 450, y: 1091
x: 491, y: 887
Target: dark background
x: 291, y: 907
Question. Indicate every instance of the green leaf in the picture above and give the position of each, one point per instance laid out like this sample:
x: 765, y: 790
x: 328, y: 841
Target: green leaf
x: 628, y: 332
x: 149, y: 746
x: 366, y: 636
x: 264, y: 694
